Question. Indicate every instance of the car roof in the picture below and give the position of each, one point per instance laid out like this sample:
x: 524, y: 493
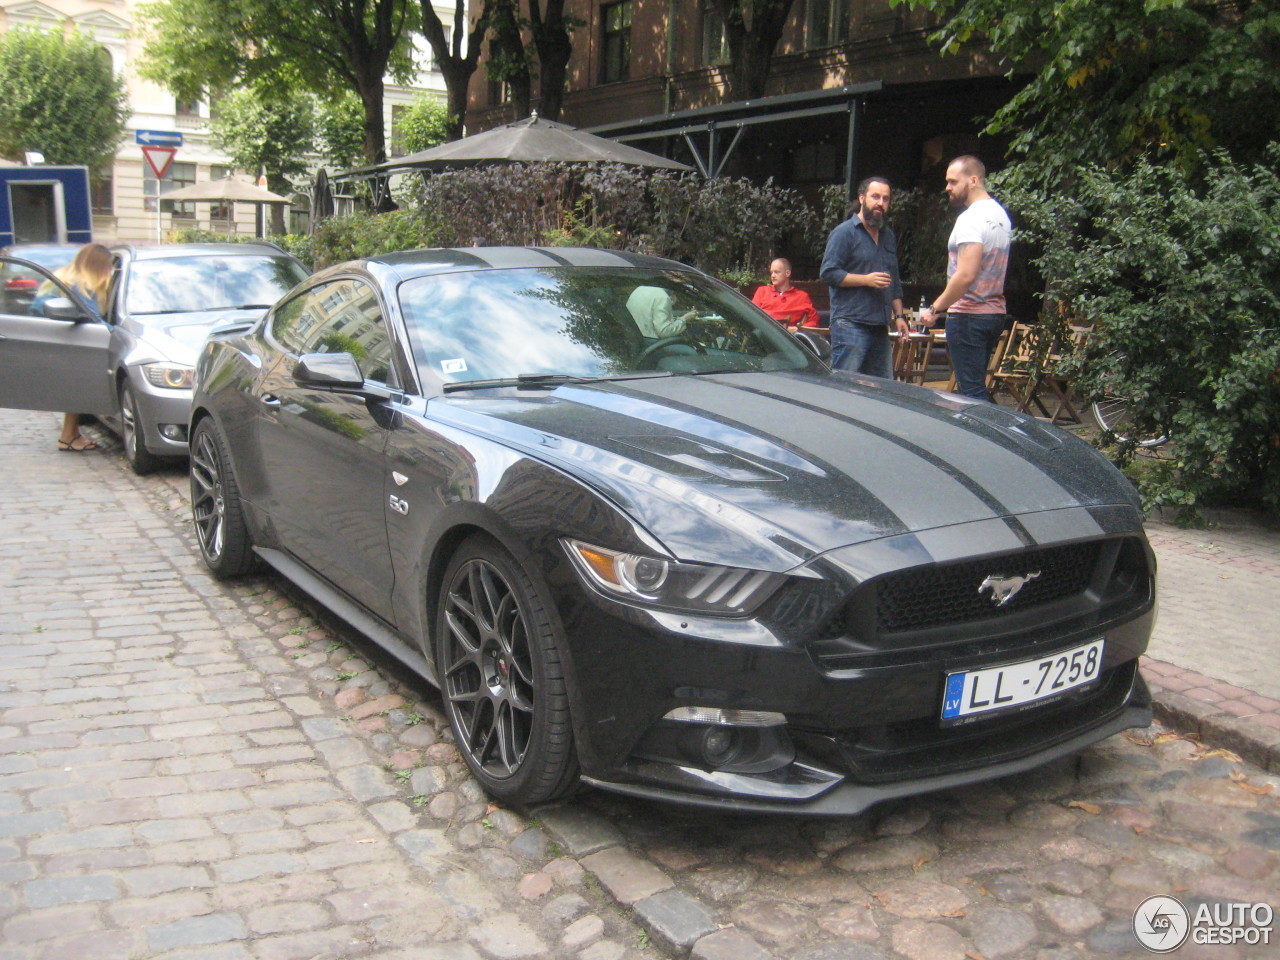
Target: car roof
x: 409, y: 263
x: 169, y: 250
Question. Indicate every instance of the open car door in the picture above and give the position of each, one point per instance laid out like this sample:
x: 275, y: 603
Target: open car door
x: 53, y: 349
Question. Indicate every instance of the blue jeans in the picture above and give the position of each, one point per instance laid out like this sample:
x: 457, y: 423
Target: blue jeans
x: 861, y: 348
x: 971, y: 337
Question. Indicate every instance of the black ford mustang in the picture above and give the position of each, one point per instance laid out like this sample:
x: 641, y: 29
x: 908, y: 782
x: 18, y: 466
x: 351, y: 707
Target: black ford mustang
x: 640, y: 536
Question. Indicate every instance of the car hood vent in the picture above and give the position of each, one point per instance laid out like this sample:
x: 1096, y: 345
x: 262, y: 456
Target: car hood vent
x: 693, y: 460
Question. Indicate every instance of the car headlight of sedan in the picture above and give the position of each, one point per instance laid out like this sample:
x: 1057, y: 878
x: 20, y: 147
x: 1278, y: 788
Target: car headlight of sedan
x: 171, y: 376
x: 692, y: 587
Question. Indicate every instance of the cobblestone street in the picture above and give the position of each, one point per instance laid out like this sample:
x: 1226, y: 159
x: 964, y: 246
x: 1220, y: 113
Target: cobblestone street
x: 198, y: 771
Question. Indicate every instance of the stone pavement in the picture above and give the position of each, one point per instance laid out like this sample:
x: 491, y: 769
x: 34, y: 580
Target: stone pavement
x: 191, y: 771
x: 1214, y: 660
x: 181, y: 777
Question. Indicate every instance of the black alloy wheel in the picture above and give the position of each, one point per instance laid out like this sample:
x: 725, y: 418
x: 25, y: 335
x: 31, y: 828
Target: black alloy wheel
x: 501, y: 676
x: 132, y: 432
x: 225, y: 544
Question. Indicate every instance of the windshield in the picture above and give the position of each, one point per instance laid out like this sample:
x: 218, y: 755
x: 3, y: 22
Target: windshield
x: 587, y: 322
x: 192, y: 284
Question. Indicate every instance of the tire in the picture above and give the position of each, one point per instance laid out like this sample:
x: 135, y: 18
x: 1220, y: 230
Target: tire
x: 225, y: 544
x: 501, y: 677
x: 133, y: 434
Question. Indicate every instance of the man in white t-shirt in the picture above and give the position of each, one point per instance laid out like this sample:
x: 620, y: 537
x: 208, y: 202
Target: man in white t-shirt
x: 977, y: 260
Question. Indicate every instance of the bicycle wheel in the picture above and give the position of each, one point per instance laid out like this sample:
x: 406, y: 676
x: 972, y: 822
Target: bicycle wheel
x: 1113, y: 415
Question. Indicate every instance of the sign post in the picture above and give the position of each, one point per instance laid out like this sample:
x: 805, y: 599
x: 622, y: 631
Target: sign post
x: 158, y: 148
x: 159, y: 159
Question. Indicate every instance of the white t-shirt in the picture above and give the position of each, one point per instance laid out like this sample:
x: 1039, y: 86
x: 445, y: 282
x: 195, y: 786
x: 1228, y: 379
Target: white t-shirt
x: 983, y: 222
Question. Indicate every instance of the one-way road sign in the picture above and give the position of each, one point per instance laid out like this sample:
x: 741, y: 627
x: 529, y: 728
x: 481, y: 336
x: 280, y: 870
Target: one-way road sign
x: 158, y: 138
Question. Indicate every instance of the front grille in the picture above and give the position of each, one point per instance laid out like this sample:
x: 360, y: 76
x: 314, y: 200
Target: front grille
x: 947, y: 594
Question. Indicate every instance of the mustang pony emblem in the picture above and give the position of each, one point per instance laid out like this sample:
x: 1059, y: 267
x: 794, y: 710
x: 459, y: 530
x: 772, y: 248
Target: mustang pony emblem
x: 1004, y: 589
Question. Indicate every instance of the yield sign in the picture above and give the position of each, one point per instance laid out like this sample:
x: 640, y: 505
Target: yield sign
x: 159, y: 159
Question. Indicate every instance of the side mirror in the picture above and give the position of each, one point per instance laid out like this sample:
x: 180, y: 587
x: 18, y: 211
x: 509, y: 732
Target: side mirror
x: 332, y: 370
x: 63, y: 308
x: 817, y: 344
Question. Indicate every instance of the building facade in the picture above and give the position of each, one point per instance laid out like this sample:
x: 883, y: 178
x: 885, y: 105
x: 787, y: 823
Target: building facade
x: 636, y: 62
x: 124, y: 204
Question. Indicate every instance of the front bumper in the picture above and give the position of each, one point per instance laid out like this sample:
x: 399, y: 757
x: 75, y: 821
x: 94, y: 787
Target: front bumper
x: 818, y: 792
x: 165, y: 416
x: 859, y: 709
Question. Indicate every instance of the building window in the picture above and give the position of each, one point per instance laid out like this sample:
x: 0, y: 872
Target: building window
x: 827, y: 23
x: 219, y: 211
x: 102, y: 190
x: 499, y: 93
x: 715, y: 42
x: 616, y: 64
x: 186, y: 108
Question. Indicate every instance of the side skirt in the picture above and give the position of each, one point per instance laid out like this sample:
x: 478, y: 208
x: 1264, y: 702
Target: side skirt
x: 349, y: 612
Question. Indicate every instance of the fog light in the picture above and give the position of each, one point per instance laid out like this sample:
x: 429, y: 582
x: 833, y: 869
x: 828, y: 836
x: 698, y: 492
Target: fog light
x: 718, y: 745
x: 174, y: 431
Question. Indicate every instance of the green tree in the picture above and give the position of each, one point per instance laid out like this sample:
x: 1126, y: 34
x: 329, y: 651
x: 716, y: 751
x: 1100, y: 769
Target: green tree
x: 340, y: 131
x: 61, y: 97
x: 1179, y: 274
x: 752, y: 29
x: 423, y: 125
x: 271, y: 133
x: 1116, y: 79
x: 195, y: 46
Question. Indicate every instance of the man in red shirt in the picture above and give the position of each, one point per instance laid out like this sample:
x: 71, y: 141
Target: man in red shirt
x: 785, y: 303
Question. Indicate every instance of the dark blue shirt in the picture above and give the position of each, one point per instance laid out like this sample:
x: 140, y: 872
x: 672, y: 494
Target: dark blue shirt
x: 850, y: 249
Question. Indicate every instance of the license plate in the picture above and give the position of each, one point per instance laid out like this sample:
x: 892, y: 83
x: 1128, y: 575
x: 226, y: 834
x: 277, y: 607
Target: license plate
x: 1012, y: 685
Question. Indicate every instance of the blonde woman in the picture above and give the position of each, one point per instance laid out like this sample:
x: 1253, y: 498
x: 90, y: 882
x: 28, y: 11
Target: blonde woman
x: 89, y: 275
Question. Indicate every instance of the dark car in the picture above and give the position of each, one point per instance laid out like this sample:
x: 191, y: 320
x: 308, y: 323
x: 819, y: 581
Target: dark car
x: 133, y: 369
x: 642, y: 537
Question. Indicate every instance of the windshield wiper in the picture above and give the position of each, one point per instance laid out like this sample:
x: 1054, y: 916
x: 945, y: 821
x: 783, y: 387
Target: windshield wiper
x: 534, y: 381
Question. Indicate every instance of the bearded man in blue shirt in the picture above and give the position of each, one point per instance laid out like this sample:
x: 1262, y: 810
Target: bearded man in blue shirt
x: 860, y: 266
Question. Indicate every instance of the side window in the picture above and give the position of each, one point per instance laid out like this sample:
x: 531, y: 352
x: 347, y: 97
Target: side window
x: 342, y: 316
x: 25, y: 290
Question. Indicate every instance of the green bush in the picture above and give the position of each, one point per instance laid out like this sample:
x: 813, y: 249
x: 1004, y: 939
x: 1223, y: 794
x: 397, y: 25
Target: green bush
x: 1180, y: 276
x: 718, y: 225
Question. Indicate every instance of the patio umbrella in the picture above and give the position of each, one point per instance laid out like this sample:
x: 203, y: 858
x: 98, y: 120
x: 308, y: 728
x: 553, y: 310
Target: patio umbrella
x: 529, y: 141
x: 225, y: 189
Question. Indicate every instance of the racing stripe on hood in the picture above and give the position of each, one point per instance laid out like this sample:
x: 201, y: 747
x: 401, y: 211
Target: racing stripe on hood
x: 965, y: 475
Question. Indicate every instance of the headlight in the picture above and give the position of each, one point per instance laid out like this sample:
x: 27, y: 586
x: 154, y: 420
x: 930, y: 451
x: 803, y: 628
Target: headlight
x: 695, y: 587
x: 173, y: 376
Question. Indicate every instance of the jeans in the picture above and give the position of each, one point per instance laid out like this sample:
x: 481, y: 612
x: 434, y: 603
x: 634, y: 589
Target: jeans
x: 971, y: 338
x: 861, y: 348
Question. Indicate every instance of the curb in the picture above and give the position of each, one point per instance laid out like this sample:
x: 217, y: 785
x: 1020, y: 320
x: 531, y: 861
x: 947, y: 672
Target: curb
x: 1196, y: 704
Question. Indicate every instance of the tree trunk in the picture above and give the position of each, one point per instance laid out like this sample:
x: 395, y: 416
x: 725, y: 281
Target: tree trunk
x: 752, y: 28
x: 508, y: 62
x: 551, y: 40
x: 455, y: 67
x: 375, y: 144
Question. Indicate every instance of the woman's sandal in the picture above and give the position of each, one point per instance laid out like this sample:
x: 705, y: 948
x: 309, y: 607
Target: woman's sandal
x: 69, y: 446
